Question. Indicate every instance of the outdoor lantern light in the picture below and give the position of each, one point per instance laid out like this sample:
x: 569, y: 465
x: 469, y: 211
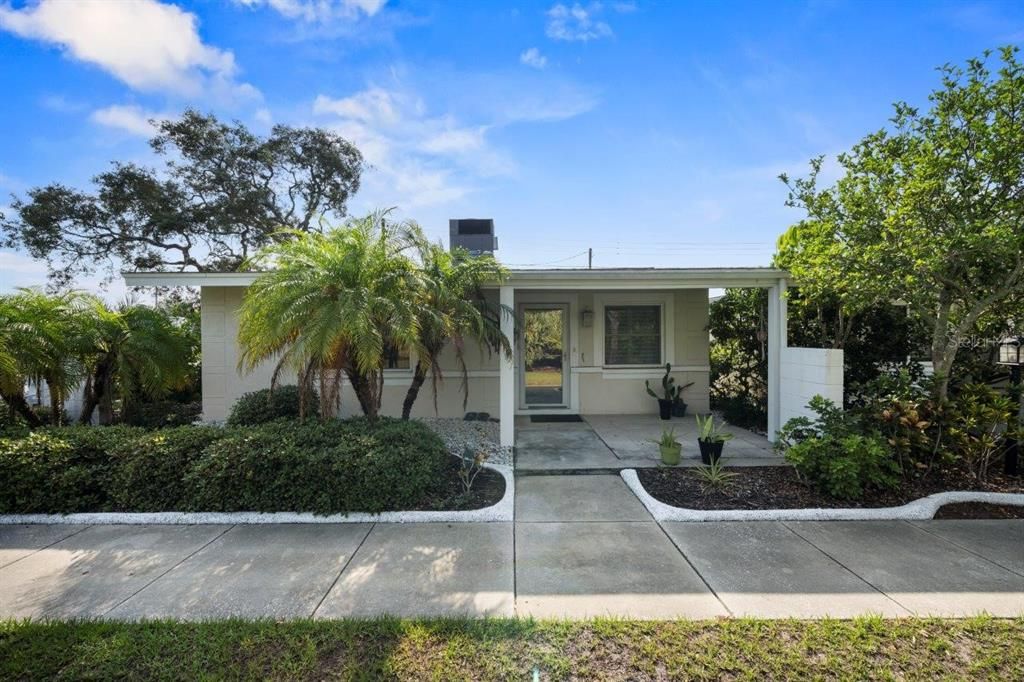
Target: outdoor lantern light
x: 1011, y: 351
x: 587, y: 318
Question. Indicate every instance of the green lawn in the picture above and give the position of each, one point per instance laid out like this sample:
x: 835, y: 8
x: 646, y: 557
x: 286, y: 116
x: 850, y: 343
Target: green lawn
x: 543, y: 377
x: 981, y: 648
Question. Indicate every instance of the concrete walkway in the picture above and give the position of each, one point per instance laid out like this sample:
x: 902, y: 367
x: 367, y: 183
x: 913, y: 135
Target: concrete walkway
x: 580, y: 546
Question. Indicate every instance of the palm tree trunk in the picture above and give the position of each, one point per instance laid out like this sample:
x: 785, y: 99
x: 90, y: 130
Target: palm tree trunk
x: 20, y: 406
x: 419, y: 376
x: 89, y: 402
x: 363, y: 392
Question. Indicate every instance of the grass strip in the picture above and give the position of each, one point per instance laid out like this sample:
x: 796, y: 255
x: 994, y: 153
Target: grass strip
x: 500, y: 649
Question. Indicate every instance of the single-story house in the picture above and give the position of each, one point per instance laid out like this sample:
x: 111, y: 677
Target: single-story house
x: 606, y: 331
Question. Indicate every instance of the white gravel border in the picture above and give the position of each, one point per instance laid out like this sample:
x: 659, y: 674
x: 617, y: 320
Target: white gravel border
x: 502, y: 511
x: 918, y: 510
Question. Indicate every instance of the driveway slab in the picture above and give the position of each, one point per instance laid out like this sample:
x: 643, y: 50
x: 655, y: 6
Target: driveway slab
x: 765, y: 570
x: 998, y: 540
x: 576, y: 498
x: 18, y: 542
x: 427, y: 569
x: 251, y: 571
x: 921, y: 571
x: 597, y: 569
x: 89, y: 573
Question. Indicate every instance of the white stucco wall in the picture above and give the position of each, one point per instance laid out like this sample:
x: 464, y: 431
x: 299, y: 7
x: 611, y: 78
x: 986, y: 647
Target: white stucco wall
x: 597, y: 390
x: 805, y: 373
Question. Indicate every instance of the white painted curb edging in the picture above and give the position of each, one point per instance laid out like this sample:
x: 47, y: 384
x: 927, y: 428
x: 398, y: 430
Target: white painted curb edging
x: 501, y: 511
x: 918, y: 510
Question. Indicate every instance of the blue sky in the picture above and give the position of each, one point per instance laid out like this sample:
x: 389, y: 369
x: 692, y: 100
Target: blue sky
x: 650, y: 131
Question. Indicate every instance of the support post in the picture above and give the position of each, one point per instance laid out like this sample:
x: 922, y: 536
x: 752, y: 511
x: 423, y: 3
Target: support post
x: 777, y: 341
x: 506, y: 372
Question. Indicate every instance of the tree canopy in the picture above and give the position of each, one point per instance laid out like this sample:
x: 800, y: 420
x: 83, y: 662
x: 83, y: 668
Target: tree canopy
x: 928, y: 213
x: 222, y: 193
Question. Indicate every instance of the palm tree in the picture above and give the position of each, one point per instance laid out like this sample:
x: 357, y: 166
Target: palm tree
x: 132, y: 351
x: 42, y: 346
x: 333, y: 303
x: 452, y: 309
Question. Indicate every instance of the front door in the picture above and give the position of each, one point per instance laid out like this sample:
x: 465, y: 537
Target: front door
x: 544, y: 360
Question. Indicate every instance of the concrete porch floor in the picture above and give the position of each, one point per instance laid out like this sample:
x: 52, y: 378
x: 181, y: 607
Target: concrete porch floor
x: 623, y: 441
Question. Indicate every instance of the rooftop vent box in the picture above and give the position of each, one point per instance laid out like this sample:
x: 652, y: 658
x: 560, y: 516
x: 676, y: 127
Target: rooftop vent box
x: 476, y: 235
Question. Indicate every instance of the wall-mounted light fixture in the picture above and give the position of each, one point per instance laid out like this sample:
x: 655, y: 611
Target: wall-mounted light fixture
x: 587, y: 318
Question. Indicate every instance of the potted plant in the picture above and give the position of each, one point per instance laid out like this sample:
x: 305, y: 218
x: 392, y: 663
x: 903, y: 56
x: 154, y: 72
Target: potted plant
x: 671, y: 404
x: 710, y: 439
x: 670, y: 447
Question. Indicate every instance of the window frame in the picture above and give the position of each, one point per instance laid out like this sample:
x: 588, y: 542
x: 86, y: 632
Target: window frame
x: 639, y: 299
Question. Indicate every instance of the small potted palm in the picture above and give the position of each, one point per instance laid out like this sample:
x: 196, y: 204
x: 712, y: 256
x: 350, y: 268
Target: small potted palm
x: 710, y: 439
x: 670, y: 447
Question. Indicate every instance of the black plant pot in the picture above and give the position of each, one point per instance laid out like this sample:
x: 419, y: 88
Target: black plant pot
x: 710, y: 452
x: 679, y: 409
x: 665, y: 408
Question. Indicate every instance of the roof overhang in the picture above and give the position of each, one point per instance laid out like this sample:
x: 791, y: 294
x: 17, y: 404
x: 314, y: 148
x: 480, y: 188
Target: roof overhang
x: 613, y: 278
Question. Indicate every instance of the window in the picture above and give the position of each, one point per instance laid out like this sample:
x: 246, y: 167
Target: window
x: 632, y: 335
x: 396, y: 358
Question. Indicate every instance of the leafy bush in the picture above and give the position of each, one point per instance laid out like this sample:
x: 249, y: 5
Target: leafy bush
x: 322, y: 468
x: 835, y: 453
x: 163, y: 414
x: 149, y: 471
x: 975, y: 426
x: 60, y: 470
x: 260, y: 407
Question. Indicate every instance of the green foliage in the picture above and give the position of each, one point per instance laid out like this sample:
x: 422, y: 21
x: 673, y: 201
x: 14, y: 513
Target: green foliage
x: 835, y: 453
x: 739, y: 360
x: 714, y: 476
x: 149, y: 469
x: 670, y: 391
x: 334, y: 303
x: 975, y: 427
x: 222, y: 193
x: 325, y: 468
x: 162, y: 414
x: 60, y: 470
x: 318, y: 467
x: 668, y: 438
x: 928, y: 212
x: 265, y: 405
x: 708, y: 432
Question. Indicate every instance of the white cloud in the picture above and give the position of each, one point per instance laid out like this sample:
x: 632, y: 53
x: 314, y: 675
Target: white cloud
x: 533, y: 57
x: 145, y: 43
x: 576, y: 23
x: 373, y: 106
x: 129, y: 118
x: 320, y: 11
x: 264, y: 117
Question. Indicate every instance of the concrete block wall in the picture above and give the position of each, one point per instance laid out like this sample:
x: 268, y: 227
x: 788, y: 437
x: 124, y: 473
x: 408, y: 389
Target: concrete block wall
x: 805, y: 373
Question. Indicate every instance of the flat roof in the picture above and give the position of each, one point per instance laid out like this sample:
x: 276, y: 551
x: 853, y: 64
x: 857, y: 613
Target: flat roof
x: 556, y: 278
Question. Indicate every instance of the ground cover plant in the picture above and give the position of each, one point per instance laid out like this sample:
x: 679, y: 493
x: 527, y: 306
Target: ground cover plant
x: 387, y: 649
x: 284, y: 465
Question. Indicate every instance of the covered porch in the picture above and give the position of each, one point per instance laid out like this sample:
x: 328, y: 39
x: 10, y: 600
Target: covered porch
x: 609, y: 442
x: 615, y: 330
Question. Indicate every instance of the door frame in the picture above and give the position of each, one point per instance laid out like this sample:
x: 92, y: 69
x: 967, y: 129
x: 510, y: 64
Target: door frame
x: 567, y: 354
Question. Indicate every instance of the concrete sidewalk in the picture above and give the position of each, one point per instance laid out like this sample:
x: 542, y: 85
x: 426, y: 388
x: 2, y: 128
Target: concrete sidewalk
x: 580, y: 546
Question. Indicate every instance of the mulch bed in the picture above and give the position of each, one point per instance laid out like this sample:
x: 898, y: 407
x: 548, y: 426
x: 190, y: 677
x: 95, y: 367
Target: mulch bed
x: 488, y: 489
x: 980, y: 510
x: 779, y: 488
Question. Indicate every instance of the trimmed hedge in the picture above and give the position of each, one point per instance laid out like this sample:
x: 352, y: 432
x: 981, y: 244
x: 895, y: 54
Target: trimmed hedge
x: 260, y: 407
x: 336, y: 467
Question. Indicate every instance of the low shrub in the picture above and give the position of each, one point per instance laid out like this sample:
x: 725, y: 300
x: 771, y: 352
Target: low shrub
x: 321, y: 468
x: 260, y: 407
x: 163, y: 414
x: 836, y: 453
x: 149, y: 471
x: 60, y: 470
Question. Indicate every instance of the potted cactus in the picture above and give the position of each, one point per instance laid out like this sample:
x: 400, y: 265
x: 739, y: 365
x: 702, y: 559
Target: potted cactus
x: 671, y: 404
x: 710, y: 439
x: 670, y: 447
